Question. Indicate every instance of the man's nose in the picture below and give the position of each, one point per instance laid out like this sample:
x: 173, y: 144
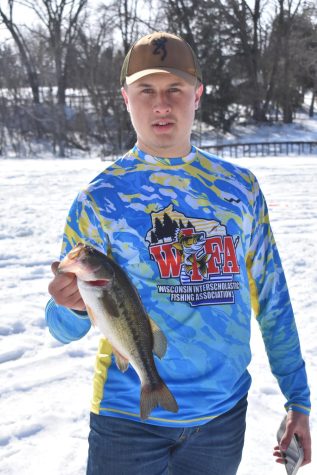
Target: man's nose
x: 162, y: 104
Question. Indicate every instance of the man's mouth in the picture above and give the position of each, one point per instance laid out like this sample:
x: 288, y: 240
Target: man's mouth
x: 163, y: 125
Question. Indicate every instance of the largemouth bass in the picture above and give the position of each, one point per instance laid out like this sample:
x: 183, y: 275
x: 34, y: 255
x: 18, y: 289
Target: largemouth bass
x: 114, y: 306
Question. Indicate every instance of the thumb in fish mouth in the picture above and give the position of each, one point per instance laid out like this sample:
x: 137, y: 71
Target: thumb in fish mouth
x: 54, y: 267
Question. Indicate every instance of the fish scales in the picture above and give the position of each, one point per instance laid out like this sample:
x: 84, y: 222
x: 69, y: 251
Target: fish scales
x: 140, y: 338
x: 143, y: 345
x: 133, y: 325
x: 115, y: 306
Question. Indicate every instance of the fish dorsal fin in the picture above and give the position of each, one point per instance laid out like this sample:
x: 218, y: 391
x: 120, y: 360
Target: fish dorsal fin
x: 91, y: 316
x: 159, y: 339
x: 121, y: 362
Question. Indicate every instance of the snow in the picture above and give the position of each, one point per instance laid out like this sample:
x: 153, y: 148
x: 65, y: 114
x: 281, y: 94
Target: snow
x: 303, y: 128
x: 46, y: 386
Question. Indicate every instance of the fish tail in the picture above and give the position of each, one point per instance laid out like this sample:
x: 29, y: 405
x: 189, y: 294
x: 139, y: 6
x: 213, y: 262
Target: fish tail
x: 160, y: 395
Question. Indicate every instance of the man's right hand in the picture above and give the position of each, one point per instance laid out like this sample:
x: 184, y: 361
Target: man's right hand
x: 64, y: 290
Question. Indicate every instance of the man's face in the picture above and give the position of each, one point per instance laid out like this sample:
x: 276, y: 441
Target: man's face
x: 162, y: 109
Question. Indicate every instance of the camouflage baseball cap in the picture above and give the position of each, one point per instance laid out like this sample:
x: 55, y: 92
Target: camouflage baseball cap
x: 160, y: 53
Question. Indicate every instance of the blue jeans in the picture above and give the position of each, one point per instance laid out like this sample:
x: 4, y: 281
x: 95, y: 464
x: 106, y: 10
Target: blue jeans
x: 124, y: 447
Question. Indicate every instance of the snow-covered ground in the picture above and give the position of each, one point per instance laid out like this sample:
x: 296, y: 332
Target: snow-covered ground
x: 46, y: 387
x: 303, y: 128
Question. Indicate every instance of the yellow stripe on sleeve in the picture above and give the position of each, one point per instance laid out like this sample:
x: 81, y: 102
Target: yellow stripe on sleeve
x: 103, y: 361
x: 253, y: 288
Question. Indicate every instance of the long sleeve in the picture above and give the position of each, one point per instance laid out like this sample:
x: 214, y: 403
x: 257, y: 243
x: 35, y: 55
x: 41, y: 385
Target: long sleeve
x: 64, y: 324
x: 81, y: 226
x: 272, y: 307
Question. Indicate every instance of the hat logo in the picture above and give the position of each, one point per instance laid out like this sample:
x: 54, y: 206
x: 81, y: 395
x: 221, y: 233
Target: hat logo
x: 160, y: 47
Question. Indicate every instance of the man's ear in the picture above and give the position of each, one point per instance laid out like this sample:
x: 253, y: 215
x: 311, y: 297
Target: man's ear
x: 125, y: 98
x: 198, y: 94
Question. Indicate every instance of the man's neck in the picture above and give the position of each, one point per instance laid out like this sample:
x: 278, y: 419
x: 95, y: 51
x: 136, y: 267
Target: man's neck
x: 165, y: 152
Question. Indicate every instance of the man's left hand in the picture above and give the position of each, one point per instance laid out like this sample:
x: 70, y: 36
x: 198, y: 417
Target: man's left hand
x: 296, y: 423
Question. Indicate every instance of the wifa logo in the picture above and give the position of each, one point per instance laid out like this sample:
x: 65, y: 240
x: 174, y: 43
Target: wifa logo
x: 199, y: 253
x: 201, y: 256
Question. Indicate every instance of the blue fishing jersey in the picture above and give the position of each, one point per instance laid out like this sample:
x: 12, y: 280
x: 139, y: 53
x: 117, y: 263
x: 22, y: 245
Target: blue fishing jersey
x: 193, y: 234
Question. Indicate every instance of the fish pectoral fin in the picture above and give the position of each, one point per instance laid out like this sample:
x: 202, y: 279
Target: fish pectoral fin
x: 159, y: 339
x: 121, y: 362
x: 91, y: 316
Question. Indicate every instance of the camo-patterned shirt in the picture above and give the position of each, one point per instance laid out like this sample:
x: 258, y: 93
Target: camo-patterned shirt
x: 193, y: 234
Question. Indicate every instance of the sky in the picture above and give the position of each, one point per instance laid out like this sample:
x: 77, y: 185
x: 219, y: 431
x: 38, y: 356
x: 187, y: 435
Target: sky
x: 22, y: 15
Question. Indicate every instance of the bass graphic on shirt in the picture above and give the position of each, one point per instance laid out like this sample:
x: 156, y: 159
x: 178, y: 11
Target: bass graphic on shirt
x: 199, y: 253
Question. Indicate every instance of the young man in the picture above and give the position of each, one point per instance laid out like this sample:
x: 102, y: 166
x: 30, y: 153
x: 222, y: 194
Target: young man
x: 192, y: 232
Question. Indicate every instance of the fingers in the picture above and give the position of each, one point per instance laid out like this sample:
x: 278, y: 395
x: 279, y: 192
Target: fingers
x: 305, y: 442
x: 64, y: 290
x: 54, y: 267
x: 286, y: 439
x: 297, y: 424
x: 75, y: 303
x: 278, y: 454
x: 66, y: 293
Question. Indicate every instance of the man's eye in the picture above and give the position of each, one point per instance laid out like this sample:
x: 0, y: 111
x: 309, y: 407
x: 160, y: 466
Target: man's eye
x: 147, y: 90
x: 174, y: 89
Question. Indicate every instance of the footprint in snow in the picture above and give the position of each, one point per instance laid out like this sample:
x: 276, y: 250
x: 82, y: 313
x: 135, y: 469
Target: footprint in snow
x: 12, y: 355
x: 16, y: 328
x: 28, y: 431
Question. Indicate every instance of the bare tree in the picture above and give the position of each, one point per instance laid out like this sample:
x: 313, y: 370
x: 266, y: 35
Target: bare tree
x: 181, y: 15
x: 306, y: 46
x: 99, y: 74
x: 287, y: 14
x: 311, y: 66
x: 61, y: 20
x: 204, y: 26
x: 7, y: 16
x: 131, y: 19
x: 126, y: 15
x: 245, y: 22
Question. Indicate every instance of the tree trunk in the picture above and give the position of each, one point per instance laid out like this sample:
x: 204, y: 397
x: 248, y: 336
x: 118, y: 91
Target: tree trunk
x: 286, y: 93
x: 258, y: 111
x: 312, y: 104
x: 25, y: 55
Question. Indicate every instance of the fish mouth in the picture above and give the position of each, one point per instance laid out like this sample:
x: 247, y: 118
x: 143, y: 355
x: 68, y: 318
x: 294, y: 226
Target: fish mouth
x: 99, y: 283
x: 88, y: 265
